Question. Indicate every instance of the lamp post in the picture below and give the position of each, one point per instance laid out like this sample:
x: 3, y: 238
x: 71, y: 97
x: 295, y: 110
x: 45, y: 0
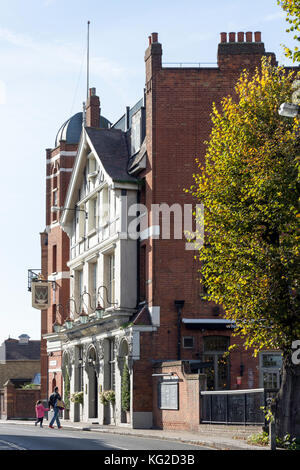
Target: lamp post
x: 290, y: 110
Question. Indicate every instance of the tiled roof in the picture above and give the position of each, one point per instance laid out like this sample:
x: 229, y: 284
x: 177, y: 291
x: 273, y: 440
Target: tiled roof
x: 142, y: 317
x: 13, y: 350
x: 112, y: 148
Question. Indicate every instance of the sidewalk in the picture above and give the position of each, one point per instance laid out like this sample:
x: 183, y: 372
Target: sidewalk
x: 220, y: 437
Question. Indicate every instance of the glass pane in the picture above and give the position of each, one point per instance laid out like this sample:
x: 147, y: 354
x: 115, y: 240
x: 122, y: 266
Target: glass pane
x: 271, y: 379
x: 216, y: 343
x: 223, y: 375
x: 210, y: 372
x: 272, y: 360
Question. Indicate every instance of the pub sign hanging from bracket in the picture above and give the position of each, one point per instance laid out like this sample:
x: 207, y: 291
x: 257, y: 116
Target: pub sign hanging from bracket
x: 41, y: 292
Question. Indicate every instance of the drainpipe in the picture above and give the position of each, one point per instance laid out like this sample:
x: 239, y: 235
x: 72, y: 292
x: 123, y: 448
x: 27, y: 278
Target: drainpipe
x: 179, y: 306
x: 138, y: 257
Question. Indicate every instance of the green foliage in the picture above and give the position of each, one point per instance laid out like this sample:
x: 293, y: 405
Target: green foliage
x: 262, y: 439
x: 77, y: 397
x: 269, y: 416
x: 288, y: 443
x: 292, y: 8
x: 250, y: 191
x: 31, y: 387
x: 107, y: 396
x: 125, y: 398
x: 126, y: 325
x: 67, y: 391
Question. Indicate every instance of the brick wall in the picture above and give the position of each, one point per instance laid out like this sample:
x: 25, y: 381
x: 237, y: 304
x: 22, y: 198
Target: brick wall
x: 187, y: 417
x: 55, y: 237
x: 178, y: 106
x: 18, y: 403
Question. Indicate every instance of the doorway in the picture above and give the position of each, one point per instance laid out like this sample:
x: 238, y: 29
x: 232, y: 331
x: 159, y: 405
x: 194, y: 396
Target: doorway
x: 93, y: 384
x: 217, y: 372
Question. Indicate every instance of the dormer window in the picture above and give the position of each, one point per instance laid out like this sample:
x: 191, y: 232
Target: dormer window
x: 137, y: 130
x: 92, y: 167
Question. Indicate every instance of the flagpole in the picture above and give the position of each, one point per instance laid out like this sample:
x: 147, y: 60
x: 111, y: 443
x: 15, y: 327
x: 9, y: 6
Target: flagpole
x: 88, y: 60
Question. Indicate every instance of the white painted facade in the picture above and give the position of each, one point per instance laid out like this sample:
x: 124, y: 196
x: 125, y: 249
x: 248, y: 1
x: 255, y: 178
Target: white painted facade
x: 103, y: 270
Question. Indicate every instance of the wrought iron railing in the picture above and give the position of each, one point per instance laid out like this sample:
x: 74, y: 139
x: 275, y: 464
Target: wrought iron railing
x: 189, y: 64
x: 33, y: 274
x: 235, y: 406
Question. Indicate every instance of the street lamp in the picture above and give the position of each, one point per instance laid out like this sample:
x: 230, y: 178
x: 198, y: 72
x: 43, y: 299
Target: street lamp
x: 99, y: 311
x: 69, y: 323
x: 56, y: 327
x: 83, y: 317
x: 290, y: 110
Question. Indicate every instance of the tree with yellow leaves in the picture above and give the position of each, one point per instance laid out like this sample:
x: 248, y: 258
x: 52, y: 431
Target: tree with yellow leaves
x: 292, y: 8
x: 249, y: 187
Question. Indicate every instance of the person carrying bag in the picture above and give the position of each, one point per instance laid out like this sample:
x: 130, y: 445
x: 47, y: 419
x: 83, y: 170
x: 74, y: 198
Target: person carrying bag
x: 54, y: 400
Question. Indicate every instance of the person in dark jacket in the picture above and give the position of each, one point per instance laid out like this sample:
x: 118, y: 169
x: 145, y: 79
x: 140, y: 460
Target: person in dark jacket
x: 53, y: 404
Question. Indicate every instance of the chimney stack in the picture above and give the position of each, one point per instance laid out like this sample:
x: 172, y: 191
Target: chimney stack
x: 238, y: 47
x: 93, y: 109
x: 153, y: 55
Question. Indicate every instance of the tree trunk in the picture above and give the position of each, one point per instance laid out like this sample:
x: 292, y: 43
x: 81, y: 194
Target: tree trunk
x: 287, y: 406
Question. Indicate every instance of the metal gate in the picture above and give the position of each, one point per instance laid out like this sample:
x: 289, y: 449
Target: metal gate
x: 235, y: 406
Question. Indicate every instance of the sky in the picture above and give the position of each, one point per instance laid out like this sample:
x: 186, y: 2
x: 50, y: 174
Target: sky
x: 43, y: 83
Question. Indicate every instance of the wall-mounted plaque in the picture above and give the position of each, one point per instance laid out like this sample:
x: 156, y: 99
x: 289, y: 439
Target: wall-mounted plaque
x: 41, y: 295
x: 168, y: 395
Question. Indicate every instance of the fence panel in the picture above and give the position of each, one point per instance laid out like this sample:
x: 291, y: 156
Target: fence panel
x: 235, y: 406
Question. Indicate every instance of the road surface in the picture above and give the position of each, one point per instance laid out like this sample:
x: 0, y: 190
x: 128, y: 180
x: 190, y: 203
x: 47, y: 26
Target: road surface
x: 29, y: 437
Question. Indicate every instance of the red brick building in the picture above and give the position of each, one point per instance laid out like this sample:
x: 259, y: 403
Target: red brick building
x: 168, y: 320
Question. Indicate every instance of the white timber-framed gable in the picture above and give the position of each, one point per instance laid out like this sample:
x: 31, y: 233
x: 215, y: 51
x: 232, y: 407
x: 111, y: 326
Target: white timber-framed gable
x: 98, y: 217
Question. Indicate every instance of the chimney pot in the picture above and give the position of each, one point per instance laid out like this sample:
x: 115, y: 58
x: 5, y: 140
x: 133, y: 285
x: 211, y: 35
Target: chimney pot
x: 154, y: 37
x: 150, y: 40
x: 240, y: 36
x: 257, y: 36
x: 223, y: 37
x: 249, y: 36
x: 92, y: 91
x: 231, y: 37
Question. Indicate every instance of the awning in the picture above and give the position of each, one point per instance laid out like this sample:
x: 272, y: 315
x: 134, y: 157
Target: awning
x: 208, y: 323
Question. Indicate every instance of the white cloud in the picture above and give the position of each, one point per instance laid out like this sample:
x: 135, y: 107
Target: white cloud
x: 16, y: 39
x: 54, y: 56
